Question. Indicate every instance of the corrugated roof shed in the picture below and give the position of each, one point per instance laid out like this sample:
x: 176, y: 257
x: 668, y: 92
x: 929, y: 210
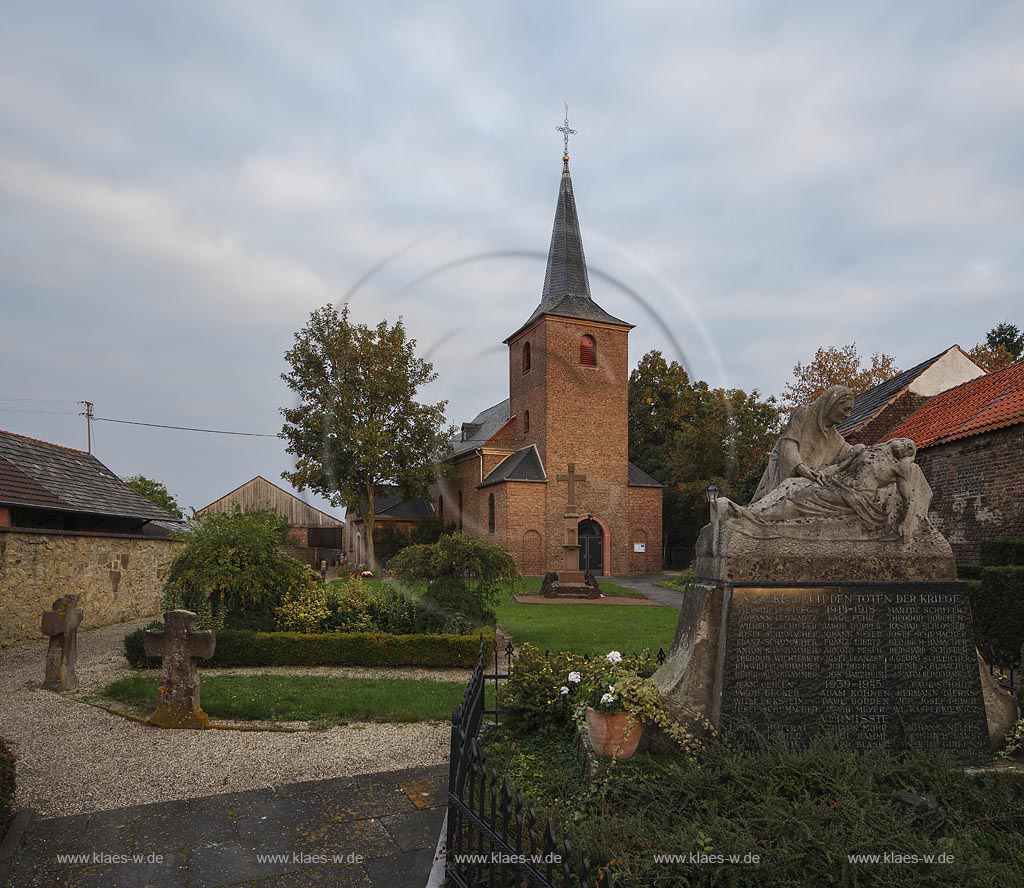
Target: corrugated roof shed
x: 982, y: 405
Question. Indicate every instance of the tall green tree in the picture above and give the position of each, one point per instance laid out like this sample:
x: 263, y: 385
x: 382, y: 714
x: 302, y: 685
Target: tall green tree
x: 155, y: 492
x: 687, y: 434
x: 357, y: 426
x: 1003, y: 345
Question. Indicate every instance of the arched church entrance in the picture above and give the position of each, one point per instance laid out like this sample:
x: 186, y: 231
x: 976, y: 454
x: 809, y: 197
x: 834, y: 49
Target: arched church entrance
x: 590, y: 536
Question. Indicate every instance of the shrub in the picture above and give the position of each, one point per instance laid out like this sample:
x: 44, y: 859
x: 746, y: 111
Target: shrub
x: 532, y: 699
x: 997, y: 607
x: 1002, y: 552
x: 969, y: 571
x: 232, y: 564
x: 7, y: 785
x: 246, y: 648
x: 462, y: 576
x: 134, y: 647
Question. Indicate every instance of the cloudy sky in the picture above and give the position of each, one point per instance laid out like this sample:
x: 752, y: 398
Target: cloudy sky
x: 182, y: 183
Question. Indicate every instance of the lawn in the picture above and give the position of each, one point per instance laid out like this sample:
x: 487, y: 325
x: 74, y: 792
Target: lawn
x: 588, y: 628
x: 320, y: 699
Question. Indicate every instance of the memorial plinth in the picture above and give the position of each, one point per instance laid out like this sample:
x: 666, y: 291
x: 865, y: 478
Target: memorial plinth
x: 829, y: 605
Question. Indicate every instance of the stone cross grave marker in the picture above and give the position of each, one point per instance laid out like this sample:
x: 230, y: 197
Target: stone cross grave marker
x: 180, y: 644
x: 61, y: 623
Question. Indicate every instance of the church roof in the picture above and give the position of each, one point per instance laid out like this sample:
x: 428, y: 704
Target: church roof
x: 523, y: 465
x: 639, y: 478
x: 485, y: 425
x: 566, y: 292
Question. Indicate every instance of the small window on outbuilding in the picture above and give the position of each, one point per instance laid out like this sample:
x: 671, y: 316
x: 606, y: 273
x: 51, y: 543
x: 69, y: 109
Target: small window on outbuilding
x: 526, y: 357
x: 490, y: 513
x: 588, y: 351
x: 526, y: 421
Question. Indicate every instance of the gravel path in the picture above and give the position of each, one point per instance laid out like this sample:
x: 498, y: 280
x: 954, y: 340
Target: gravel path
x: 74, y: 758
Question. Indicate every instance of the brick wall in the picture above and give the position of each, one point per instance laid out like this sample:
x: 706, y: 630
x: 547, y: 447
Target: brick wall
x: 978, y: 489
x: 645, y: 505
x: 118, y: 578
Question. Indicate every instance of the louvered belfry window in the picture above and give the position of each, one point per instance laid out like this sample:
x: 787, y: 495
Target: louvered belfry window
x: 526, y: 357
x: 588, y: 351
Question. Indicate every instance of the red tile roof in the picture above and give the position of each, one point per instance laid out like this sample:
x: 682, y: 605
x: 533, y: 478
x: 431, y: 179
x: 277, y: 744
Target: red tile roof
x: 982, y: 405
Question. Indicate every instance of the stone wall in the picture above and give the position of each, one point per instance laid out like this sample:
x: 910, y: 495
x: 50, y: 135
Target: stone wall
x: 978, y: 489
x: 117, y: 577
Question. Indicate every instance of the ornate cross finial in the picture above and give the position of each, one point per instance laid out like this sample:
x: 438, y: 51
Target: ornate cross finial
x: 565, y: 130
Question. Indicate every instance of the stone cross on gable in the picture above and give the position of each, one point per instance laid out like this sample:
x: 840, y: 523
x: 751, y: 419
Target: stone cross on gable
x: 180, y: 644
x: 61, y: 623
x: 572, y: 478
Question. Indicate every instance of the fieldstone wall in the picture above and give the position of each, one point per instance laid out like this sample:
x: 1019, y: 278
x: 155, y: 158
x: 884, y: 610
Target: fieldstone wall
x: 117, y: 577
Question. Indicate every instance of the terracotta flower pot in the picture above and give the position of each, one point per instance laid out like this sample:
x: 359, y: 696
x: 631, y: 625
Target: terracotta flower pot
x: 613, y: 734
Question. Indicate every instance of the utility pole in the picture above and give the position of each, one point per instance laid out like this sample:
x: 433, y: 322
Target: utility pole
x: 87, y: 413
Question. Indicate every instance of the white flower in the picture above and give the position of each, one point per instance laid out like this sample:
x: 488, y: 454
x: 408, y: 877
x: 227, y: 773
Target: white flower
x: 575, y: 677
x: 607, y: 698
x: 614, y: 657
x: 563, y: 690
x: 611, y: 689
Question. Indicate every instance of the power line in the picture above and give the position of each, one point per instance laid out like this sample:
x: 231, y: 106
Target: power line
x: 42, y: 412
x: 39, y: 400
x: 156, y: 425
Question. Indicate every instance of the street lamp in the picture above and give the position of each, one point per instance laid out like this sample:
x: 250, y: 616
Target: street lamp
x: 712, y: 493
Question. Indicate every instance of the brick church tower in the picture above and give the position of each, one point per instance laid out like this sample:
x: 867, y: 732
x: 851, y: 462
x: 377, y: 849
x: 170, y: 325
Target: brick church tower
x: 546, y: 473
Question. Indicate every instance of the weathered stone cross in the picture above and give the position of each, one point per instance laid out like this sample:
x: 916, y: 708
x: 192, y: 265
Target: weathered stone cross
x: 180, y: 645
x: 61, y: 623
x: 572, y: 478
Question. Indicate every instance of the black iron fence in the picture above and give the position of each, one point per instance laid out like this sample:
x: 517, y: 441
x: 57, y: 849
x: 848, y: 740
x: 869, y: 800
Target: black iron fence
x: 495, y: 838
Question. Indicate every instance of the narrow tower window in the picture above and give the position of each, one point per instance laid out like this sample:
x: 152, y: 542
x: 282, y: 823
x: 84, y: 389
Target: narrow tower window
x: 526, y: 357
x: 588, y: 351
x: 490, y: 513
x: 526, y: 421
x: 440, y: 507
x: 460, y: 510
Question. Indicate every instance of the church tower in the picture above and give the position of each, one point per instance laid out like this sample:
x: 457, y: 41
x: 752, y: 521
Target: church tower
x: 546, y: 473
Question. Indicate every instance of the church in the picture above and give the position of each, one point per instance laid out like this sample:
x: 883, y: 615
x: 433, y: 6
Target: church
x: 546, y: 472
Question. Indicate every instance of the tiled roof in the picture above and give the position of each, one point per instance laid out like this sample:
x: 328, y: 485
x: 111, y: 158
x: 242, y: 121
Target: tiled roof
x: 47, y: 476
x: 566, y: 292
x: 868, y: 403
x: 485, y: 425
x: 990, y: 402
x: 523, y: 465
x: 639, y: 478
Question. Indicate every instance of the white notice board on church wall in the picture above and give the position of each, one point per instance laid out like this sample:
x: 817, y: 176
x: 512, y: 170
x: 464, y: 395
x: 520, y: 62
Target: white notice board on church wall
x: 639, y: 547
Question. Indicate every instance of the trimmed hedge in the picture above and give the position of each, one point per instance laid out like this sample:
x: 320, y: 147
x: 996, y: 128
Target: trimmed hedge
x: 997, y: 607
x: 241, y: 647
x: 1002, y: 553
x: 969, y: 571
x: 7, y: 785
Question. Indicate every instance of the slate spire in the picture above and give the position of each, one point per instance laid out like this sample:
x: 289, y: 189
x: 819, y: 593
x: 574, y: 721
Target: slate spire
x: 566, y: 273
x: 566, y: 292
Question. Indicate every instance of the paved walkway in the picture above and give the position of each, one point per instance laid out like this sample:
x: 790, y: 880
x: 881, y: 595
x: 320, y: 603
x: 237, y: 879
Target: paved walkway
x: 370, y: 830
x: 648, y: 584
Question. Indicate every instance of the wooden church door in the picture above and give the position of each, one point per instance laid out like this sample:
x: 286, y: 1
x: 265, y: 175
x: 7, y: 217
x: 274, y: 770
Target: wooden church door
x: 591, y: 540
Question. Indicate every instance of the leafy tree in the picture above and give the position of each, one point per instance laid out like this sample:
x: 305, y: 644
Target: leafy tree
x: 836, y: 366
x: 463, y: 577
x: 992, y: 359
x: 232, y: 566
x: 687, y: 435
x: 155, y: 492
x: 1007, y: 336
x: 1003, y: 345
x: 357, y: 427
